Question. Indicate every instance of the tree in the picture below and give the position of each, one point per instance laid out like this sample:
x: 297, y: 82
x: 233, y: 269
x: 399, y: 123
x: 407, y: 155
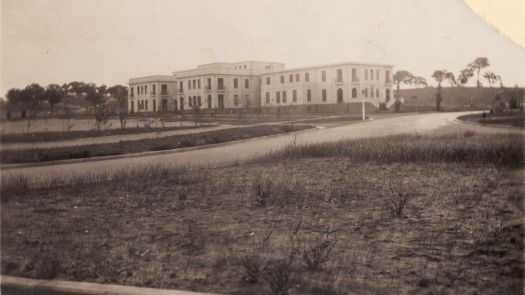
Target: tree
x: 465, y: 75
x: 399, y: 77
x: 478, y: 65
x: 77, y: 88
x: 96, y: 97
x: 13, y: 97
x: 439, y: 76
x: 449, y: 76
x: 31, y: 99
x: 490, y: 77
x: 53, y: 95
x: 420, y: 81
x: 67, y: 93
x: 498, y: 78
x: 120, y: 93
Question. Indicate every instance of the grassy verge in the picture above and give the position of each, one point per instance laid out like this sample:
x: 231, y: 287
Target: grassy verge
x: 501, y: 150
x: 510, y: 119
x: 324, y: 225
x: 137, y: 146
x: 59, y: 135
x: 332, y: 120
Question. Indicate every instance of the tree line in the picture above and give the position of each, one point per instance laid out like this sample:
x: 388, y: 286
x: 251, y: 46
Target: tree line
x: 476, y: 68
x: 31, y: 100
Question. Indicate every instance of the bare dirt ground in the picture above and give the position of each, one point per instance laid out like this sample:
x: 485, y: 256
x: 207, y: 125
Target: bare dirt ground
x: 460, y: 232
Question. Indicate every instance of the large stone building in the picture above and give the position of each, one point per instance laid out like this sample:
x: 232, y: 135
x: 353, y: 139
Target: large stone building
x: 211, y: 86
x: 269, y: 85
x: 326, y: 87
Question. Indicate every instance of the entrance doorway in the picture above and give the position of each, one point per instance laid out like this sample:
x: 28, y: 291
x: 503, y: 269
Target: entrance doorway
x: 164, y: 105
x: 221, y: 101
x: 209, y: 101
x: 387, y: 95
x: 339, y: 95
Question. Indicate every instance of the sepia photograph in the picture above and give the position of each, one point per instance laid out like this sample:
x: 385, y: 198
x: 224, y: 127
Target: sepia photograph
x: 265, y: 147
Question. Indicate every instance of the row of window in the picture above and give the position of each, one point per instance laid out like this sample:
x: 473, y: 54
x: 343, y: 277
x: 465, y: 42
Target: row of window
x: 196, y: 84
x: 339, y: 76
x: 143, y: 89
x: 192, y: 101
x: 281, y: 95
x: 196, y: 100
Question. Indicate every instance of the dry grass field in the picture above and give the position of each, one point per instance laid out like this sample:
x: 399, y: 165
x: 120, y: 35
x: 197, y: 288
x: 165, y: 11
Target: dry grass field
x: 322, y: 219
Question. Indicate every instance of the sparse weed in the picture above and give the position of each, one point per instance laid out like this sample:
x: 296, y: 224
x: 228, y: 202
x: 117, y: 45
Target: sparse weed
x: 316, y: 255
x: 264, y: 191
x: 47, y: 261
x: 254, y: 261
x: 398, y: 202
x: 280, y: 276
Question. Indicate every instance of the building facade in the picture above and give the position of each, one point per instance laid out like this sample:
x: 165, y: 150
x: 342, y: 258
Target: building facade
x: 152, y: 94
x: 222, y: 85
x: 331, y: 84
x: 255, y: 84
x: 215, y: 86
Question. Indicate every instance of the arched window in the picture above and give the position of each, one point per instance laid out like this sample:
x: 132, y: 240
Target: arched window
x: 377, y: 92
x: 235, y: 100
x: 366, y: 92
x: 354, y: 93
x: 387, y: 94
x: 371, y: 91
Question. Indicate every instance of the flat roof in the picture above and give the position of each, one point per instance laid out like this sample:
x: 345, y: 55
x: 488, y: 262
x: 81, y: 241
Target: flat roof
x: 242, y: 61
x: 329, y: 65
x: 153, y: 78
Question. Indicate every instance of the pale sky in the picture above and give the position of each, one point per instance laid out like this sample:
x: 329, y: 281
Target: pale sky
x: 110, y: 41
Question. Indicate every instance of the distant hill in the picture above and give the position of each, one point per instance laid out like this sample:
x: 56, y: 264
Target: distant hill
x: 454, y: 98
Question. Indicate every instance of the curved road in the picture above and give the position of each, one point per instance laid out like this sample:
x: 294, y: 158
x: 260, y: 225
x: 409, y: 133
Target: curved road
x: 434, y: 123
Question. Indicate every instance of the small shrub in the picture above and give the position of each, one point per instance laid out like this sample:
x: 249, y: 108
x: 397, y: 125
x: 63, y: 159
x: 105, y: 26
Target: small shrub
x: 399, y: 201
x: 316, y: 255
x: 280, y: 276
x: 254, y: 261
x: 254, y: 265
x: 264, y: 191
x: 48, y: 262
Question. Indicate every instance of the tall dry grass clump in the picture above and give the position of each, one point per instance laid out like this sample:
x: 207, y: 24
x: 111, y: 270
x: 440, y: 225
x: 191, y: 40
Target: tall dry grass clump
x: 19, y: 186
x: 496, y: 149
